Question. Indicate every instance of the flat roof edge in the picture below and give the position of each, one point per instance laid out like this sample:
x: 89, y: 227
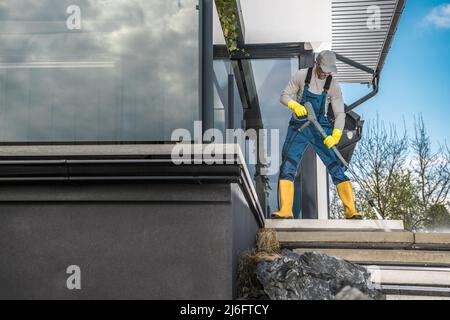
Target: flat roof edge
x: 208, y: 163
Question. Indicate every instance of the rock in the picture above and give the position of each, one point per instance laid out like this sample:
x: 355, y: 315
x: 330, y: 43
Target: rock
x: 349, y: 293
x: 248, y: 285
x: 311, y: 276
x: 284, y: 279
x: 252, y: 295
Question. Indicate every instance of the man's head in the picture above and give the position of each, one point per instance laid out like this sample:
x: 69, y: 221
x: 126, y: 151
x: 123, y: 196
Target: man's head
x: 326, y: 64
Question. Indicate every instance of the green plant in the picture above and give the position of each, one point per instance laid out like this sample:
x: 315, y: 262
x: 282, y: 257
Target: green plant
x: 227, y: 15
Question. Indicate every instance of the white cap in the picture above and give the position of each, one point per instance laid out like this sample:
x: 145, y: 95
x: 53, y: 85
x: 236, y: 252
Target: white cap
x: 327, y: 61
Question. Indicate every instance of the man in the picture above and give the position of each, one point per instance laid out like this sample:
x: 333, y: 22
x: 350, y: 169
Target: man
x: 317, y: 86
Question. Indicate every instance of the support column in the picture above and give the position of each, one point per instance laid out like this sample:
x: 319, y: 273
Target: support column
x: 230, y: 111
x: 307, y: 180
x: 206, y: 55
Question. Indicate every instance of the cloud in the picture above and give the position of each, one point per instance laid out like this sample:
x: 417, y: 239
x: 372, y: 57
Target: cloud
x: 439, y: 16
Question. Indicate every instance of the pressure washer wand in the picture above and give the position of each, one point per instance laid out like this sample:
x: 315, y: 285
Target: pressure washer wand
x: 312, y: 118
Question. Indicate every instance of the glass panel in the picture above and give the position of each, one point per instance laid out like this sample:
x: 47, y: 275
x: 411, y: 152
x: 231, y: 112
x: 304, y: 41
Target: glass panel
x: 105, y: 70
x: 221, y: 68
x: 271, y: 77
x: 221, y: 71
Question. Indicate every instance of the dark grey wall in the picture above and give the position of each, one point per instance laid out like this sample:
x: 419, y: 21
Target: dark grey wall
x: 131, y: 240
x: 245, y: 228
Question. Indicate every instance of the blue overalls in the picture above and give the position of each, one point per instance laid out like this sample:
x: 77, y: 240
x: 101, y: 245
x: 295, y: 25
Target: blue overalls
x: 296, y: 142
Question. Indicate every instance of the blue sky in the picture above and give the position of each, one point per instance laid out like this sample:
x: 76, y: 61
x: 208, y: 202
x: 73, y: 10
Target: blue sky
x: 416, y: 76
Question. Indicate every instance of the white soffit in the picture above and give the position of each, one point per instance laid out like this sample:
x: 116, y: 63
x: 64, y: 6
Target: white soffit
x: 281, y: 21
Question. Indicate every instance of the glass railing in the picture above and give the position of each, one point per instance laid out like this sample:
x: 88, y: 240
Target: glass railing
x: 99, y: 71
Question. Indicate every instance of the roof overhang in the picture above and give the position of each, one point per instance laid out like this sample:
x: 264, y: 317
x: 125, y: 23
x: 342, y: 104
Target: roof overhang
x: 361, y: 43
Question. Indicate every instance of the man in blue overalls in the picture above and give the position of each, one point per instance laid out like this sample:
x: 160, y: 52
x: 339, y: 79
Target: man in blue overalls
x: 317, y: 86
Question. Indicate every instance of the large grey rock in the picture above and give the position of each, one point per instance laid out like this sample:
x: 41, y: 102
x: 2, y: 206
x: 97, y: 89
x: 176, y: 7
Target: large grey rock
x: 311, y: 276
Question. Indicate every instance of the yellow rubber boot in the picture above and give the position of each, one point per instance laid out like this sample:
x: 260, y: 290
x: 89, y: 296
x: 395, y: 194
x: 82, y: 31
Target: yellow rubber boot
x: 346, y: 194
x: 286, y: 200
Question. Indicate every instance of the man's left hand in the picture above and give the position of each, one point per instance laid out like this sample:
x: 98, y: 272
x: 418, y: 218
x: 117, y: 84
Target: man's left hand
x: 334, y: 139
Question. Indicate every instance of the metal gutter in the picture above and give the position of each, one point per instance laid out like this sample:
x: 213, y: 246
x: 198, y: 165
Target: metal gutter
x: 367, y: 97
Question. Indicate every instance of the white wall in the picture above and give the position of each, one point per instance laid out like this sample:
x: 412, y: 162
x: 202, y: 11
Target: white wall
x: 277, y: 21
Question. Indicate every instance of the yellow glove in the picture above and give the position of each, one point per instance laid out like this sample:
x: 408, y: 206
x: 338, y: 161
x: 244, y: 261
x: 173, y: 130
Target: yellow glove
x: 299, y: 110
x: 334, y: 139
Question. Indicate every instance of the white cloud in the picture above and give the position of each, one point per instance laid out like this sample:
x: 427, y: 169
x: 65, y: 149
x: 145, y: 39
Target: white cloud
x: 439, y: 16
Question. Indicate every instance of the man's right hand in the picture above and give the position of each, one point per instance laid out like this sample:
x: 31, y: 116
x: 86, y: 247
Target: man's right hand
x: 299, y: 110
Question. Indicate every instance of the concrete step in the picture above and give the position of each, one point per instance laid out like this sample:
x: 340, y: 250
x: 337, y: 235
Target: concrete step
x: 432, y: 240
x: 335, y: 225
x: 387, y: 257
x: 432, y: 292
x: 364, y: 239
x: 351, y: 240
x: 409, y: 297
x: 410, y: 276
